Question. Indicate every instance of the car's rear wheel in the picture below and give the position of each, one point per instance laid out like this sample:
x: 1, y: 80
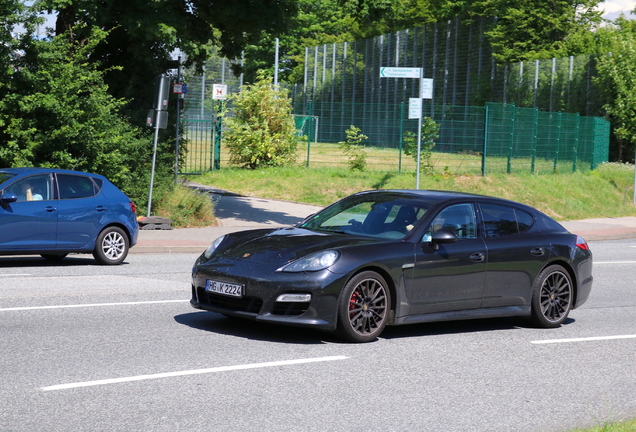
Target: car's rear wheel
x: 111, y: 247
x: 53, y: 257
x: 552, y: 297
x: 364, y: 307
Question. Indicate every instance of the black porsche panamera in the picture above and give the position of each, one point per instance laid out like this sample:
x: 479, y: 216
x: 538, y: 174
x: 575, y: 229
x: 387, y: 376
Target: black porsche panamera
x: 393, y: 257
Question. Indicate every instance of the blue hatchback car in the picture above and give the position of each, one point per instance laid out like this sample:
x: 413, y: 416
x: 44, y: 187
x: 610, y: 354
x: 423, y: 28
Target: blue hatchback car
x: 54, y: 212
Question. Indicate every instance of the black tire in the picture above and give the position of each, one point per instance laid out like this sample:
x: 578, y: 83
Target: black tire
x: 111, y: 247
x: 552, y: 297
x: 363, y: 307
x: 54, y: 256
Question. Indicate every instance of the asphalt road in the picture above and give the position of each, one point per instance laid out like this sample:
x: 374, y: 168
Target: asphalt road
x: 91, y: 348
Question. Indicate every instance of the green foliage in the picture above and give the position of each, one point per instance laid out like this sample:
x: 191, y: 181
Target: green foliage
x: 538, y: 29
x: 430, y: 132
x: 56, y: 112
x: 353, y: 149
x: 262, y: 131
x: 616, y: 77
x: 142, y: 35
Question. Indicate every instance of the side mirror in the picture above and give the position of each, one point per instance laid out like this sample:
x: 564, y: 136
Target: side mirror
x: 8, y: 198
x: 442, y: 236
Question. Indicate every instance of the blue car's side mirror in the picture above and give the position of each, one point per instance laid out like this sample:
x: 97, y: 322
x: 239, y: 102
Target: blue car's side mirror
x: 8, y: 198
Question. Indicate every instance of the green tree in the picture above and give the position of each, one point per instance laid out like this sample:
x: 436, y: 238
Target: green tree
x: 262, y: 131
x: 616, y: 78
x: 141, y: 36
x: 352, y: 147
x: 56, y: 112
x: 430, y: 132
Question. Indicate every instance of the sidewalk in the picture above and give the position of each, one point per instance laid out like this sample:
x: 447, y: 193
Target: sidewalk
x: 236, y: 213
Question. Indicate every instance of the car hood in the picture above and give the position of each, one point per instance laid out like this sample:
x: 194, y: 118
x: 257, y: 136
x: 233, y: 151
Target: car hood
x: 280, y: 246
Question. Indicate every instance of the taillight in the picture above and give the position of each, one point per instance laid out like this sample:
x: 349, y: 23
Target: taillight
x: 133, y: 207
x: 581, y: 243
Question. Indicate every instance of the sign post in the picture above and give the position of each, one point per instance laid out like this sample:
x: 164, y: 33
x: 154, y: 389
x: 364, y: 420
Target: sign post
x: 219, y: 93
x: 415, y: 104
x: 159, y: 115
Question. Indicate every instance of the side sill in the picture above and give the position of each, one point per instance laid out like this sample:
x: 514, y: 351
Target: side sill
x: 464, y: 315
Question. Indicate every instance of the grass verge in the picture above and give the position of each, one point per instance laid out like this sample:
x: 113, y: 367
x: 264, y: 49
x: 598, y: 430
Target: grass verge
x: 626, y: 426
x: 604, y: 192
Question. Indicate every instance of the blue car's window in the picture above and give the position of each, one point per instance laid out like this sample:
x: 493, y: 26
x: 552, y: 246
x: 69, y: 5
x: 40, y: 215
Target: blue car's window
x: 377, y: 215
x: 33, y: 188
x: 5, y: 176
x: 75, y: 186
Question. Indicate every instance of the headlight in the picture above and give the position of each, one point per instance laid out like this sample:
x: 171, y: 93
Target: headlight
x: 215, y: 244
x: 314, y: 262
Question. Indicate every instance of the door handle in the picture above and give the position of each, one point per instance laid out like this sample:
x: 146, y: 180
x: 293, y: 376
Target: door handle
x: 49, y: 209
x: 477, y: 257
x: 538, y: 251
x: 100, y: 208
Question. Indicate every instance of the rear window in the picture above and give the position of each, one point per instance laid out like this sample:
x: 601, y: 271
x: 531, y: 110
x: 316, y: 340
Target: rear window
x: 75, y: 186
x: 503, y: 220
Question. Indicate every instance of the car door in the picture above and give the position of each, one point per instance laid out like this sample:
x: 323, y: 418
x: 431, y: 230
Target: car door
x: 82, y: 209
x: 30, y: 222
x: 451, y: 277
x: 516, y: 253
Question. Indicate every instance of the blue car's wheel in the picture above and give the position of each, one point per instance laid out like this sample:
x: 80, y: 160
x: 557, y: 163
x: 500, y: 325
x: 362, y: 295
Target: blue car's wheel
x: 364, y: 307
x: 111, y: 246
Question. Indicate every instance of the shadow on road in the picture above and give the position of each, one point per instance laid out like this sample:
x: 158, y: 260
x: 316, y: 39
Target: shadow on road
x: 217, y: 323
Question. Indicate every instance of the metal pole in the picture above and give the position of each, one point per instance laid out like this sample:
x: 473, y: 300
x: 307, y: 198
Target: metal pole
x: 218, y: 135
x: 154, y: 158
x: 276, y: 64
x: 176, y: 141
x: 419, y: 139
x: 202, y: 93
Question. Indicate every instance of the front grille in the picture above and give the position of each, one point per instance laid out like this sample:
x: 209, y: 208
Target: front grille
x: 244, y: 304
x: 290, y: 308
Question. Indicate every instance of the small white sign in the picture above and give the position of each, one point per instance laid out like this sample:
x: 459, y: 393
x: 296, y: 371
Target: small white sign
x: 397, y: 72
x: 426, y: 87
x: 219, y: 91
x: 415, y: 108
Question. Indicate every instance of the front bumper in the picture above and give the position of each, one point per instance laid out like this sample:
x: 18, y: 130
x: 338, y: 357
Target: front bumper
x: 260, y: 293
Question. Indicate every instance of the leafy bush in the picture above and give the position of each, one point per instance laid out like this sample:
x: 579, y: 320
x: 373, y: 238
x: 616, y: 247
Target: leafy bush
x: 262, y: 131
x: 429, y: 135
x: 353, y: 149
x: 185, y: 207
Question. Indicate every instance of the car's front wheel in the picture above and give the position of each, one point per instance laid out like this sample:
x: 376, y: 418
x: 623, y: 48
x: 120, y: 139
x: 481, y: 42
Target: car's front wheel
x: 364, y: 307
x: 552, y: 297
x: 111, y: 246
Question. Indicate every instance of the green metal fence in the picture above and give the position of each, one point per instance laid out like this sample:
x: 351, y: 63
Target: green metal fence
x: 472, y: 140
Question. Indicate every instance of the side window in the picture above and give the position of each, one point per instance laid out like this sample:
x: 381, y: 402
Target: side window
x: 502, y: 220
x: 524, y: 220
x: 75, y: 186
x: 459, y: 218
x: 32, y: 188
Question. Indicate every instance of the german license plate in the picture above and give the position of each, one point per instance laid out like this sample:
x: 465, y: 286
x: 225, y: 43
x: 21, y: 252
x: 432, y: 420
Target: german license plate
x: 224, y: 288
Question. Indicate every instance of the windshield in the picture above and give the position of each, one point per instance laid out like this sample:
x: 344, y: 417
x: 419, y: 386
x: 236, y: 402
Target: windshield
x: 377, y: 215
